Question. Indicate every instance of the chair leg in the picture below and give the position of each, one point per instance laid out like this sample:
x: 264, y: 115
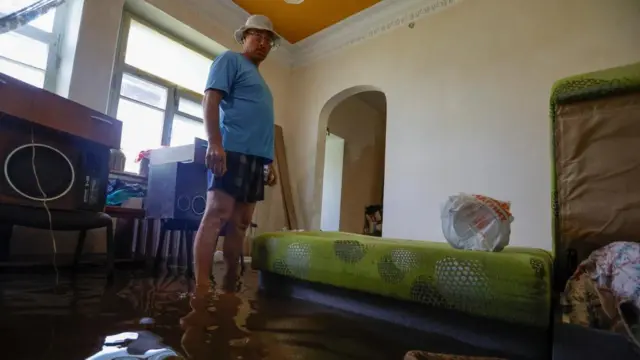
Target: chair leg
x: 160, y: 249
x: 189, y: 246
x: 181, y: 243
x: 79, y: 247
x: 137, y: 238
x: 111, y: 248
x: 6, y: 230
x: 149, y: 241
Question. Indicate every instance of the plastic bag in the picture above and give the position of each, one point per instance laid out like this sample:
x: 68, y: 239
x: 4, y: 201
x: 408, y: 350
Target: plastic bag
x: 476, y: 222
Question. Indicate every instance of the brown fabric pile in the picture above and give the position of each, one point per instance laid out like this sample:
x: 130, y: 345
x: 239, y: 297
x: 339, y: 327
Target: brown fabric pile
x: 604, y: 292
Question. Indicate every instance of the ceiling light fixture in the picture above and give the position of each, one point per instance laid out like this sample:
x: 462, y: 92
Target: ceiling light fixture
x: 294, y: 2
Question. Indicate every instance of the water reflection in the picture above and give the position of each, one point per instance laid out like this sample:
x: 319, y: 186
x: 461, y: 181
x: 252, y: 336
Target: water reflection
x: 162, y: 296
x: 73, y: 320
x: 219, y: 320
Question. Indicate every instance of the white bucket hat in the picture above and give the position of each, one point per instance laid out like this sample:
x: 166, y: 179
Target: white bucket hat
x: 258, y: 22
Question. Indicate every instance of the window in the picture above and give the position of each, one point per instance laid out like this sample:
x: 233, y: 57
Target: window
x: 157, y: 91
x: 30, y: 53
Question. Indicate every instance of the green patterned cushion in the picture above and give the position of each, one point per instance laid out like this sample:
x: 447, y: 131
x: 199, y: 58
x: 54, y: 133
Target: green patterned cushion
x: 513, y: 285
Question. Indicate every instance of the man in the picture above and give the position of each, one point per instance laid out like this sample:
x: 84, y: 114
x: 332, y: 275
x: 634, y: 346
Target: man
x: 239, y: 120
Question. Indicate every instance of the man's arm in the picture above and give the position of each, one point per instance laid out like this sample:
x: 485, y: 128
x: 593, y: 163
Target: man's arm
x: 211, y: 106
x: 219, y: 83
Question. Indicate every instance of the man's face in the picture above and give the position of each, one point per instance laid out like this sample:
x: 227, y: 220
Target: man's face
x: 258, y: 43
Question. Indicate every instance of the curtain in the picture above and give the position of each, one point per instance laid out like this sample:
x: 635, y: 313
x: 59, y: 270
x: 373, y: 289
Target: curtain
x: 12, y: 21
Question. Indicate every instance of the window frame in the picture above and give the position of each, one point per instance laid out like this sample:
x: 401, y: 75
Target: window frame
x: 174, y: 91
x: 53, y: 40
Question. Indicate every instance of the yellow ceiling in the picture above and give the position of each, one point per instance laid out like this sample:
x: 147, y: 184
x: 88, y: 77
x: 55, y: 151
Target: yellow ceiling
x: 297, y: 22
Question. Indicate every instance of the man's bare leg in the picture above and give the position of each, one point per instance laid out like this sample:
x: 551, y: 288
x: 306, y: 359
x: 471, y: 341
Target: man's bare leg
x: 234, y: 241
x: 217, y: 212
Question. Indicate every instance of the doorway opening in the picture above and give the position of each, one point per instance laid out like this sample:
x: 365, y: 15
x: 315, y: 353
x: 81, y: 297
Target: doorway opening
x: 332, y: 184
x: 354, y: 163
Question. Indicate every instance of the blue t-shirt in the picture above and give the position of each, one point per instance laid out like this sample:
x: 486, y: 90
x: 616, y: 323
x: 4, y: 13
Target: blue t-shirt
x: 246, y: 109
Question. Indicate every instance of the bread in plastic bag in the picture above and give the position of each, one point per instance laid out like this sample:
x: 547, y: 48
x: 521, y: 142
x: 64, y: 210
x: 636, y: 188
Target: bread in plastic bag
x: 476, y: 222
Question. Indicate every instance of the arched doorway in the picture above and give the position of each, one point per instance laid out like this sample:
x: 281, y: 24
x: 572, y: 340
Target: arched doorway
x: 353, y: 159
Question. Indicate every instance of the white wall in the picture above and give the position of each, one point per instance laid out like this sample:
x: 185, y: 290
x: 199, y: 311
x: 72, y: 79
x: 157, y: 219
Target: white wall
x: 467, y: 105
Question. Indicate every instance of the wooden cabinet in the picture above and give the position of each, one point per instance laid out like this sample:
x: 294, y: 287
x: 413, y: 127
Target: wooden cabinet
x: 44, y: 108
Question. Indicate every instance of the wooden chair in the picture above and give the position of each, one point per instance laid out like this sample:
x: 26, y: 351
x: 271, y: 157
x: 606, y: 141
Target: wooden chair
x: 12, y: 215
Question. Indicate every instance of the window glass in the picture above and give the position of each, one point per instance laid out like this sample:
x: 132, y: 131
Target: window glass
x: 152, y: 52
x: 44, y: 22
x: 21, y: 72
x: 25, y: 53
x: 24, y: 49
x: 158, y: 69
x: 185, y: 130
x: 191, y: 108
x: 144, y: 91
x: 141, y: 130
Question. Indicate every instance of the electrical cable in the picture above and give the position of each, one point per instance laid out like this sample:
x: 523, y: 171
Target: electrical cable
x: 46, y: 207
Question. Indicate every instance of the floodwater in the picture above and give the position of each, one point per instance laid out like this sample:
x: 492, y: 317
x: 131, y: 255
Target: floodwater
x: 39, y: 320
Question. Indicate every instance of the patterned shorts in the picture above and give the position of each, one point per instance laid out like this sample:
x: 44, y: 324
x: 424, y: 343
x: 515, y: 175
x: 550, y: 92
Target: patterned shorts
x: 244, y: 179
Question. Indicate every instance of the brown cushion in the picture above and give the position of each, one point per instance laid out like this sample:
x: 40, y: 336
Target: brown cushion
x: 61, y: 220
x: 597, y: 169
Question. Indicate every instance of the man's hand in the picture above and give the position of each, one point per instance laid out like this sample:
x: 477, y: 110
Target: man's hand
x: 216, y: 159
x: 272, y: 178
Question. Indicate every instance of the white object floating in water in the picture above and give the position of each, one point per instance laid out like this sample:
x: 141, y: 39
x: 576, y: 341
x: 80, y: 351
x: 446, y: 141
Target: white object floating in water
x: 147, y: 321
x: 218, y: 257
